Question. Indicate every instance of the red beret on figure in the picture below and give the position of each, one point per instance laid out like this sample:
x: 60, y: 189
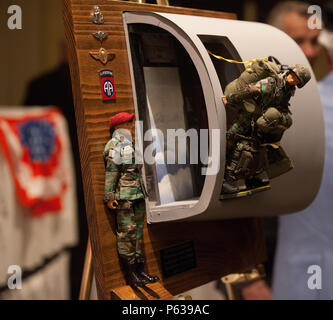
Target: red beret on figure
x: 120, y: 118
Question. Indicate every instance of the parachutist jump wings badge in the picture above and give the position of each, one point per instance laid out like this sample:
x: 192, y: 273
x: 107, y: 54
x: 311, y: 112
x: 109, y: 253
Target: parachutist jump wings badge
x: 102, y: 55
x: 100, y: 35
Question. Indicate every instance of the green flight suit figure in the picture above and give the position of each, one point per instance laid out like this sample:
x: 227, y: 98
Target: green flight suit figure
x: 264, y: 115
x: 125, y: 195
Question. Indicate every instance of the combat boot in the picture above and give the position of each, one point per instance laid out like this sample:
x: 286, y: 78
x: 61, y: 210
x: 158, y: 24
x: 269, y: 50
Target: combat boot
x: 229, y: 188
x: 140, y: 263
x: 231, y: 184
x: 258, y: 181
x: 131, y: 274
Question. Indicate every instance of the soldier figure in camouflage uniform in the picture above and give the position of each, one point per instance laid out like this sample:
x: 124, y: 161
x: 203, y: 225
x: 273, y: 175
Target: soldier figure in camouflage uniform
x: 125, y: 195
x: 264, y: 115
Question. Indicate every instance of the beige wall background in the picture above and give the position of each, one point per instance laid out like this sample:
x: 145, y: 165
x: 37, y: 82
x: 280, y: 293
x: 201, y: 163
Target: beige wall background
x: 26, y: 53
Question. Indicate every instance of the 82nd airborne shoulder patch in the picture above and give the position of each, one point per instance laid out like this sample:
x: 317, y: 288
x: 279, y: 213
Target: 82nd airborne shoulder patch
x: 107, y: 85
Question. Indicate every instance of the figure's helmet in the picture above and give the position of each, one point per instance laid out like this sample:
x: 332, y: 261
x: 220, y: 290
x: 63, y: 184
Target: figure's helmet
x: 302, y: 73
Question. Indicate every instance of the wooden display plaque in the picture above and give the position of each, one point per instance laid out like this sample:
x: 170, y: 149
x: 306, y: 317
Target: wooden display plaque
x: 220, y: 247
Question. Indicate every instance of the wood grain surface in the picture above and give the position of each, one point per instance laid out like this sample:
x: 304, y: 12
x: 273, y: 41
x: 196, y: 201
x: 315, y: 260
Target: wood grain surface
x: 154, y: 291
x: 221, y: 247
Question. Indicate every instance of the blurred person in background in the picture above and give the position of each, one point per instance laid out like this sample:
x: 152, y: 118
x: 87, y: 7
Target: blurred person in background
x: 304, y: 258
x: 292, y: 18
x: 54, y: 89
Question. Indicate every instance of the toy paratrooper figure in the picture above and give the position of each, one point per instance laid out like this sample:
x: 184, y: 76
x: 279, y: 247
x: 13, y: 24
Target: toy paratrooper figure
x: 253, y: 141
x: 125, y: 196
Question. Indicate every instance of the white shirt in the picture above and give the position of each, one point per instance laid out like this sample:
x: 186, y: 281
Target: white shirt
x: 306, y: 238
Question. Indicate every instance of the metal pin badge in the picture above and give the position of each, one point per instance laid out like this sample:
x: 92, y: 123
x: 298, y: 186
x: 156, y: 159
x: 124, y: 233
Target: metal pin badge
x: 102, y: 55
x: 96, y: 16
x: 100, y: 35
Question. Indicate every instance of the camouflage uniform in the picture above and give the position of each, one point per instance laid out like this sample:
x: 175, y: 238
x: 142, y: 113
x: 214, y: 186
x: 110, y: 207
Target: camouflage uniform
x: 264, y: 103
x: 123, y: 183
x: 269, y: 93
x: 264, y: 115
